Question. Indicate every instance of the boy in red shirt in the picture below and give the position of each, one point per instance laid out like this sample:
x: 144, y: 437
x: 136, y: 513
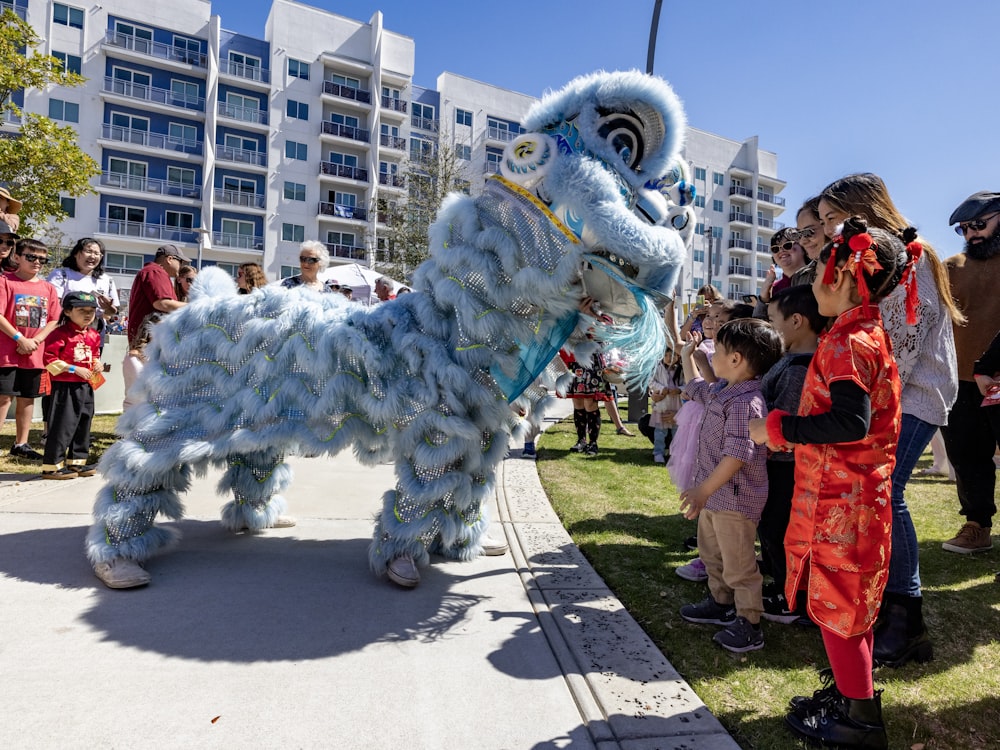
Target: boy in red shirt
x: 29, y: 312
x: 71, y: 357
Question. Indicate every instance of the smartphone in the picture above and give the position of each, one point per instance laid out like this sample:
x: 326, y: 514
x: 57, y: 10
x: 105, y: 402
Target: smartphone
x: 750, y: 299
x: 700, y: 300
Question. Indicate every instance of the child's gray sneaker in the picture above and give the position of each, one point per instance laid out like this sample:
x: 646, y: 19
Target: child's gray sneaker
x: 740, y: 636
x: 709, y: 612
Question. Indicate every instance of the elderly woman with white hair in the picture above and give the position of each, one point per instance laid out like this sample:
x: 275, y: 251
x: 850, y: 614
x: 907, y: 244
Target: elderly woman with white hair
x: 313, y: 258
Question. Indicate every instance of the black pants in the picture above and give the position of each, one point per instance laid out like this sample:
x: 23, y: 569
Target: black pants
x: 69, y: 425
x: 774, y: 518
x: 971, y: 439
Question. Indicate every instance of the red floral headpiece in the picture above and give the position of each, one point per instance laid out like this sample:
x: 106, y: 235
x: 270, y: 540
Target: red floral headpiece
x: 861, y: 260
x: 915, y: 249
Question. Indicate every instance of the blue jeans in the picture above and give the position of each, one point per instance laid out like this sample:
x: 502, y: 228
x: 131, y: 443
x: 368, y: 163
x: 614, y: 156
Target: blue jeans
x: 904, y: 564
x: 660, y: 435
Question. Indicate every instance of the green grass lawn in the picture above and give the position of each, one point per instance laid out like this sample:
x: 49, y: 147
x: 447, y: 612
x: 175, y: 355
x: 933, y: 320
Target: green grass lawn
x: 101, y: 430
x: 621, y: 510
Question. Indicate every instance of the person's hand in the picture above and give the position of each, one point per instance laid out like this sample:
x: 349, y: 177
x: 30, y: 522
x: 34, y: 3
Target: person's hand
x: 758, y: 431
x: 985, y: 383
x: 84, y: 372
x: 692, y: 343
x: 771, y: 275
x: 657, y: 396
x: 97, y: 366
x: 669, y: 416
x: 701, y: 361
x: 26, y: 345
x: 693, y: 502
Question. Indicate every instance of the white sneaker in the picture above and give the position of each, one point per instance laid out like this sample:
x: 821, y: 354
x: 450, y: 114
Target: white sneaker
x: 403, y: 570
x: 121, y: 573
x: 281, y: 522
x: 494, y: 547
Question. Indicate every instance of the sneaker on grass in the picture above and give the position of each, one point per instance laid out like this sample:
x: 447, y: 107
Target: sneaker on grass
x: 971, y: 538
x: 693, y: 571
x: 709, y: 612
x: 740, y: 636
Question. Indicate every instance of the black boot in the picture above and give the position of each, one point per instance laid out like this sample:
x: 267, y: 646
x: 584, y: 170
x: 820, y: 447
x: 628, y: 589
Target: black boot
x: 580, y: 422
x: 900, y: 634
x: 802, y: 705
x: 847, y: 722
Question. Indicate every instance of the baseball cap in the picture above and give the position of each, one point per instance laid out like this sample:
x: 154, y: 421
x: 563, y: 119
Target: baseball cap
x: 977, y: 204
x: 5, y: 229
x: 79, y: 299
x: 171, y: 250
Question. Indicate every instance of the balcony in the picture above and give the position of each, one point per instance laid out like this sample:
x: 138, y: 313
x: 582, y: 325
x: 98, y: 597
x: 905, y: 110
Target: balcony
x: 343, y: 170
x: 735, y: 244
x: 153, y: 94
x: 501, y: 134
x: 761, y: 273
x: 346, y: 131
x: 243, y: 114
x: 155, y: 232
x: 239, y: 198
x: 238, y: 241
x: 769, y: 223
x: 764, y: 247
x: 740, y: 217
x: 775, y: 200
x: 240, y: 155
x: 247, y: 72
x: 345, y: 251
x: 737, y: 269
x: 424, y: 123
x: 397, y: 105
x: 156, y: 49
x: 492, y: 167
x: 740, y: 192
x: 21, y: 13
x: 343, y: 212
x: 391, y: 180
x: 346, y: 92
x: 150, y: 140
x: 147, y: 185
x: 392, y: 141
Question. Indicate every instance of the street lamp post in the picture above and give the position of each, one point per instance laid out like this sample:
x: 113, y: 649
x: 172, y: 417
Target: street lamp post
x: 203, y: 242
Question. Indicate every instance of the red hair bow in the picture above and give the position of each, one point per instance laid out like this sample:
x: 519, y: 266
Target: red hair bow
x: 916, y: 250
x: 862, y: 260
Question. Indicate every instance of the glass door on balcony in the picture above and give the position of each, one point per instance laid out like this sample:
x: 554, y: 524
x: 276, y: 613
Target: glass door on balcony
x: 182, y: 180
x: 129, y: 128
x: 126, y: 220
x: 237, y: 233
x: 124, y: 173
x: 182, y: 137
x: 187, y: 50
x: 134, y: 37
x: 238, y: 191
x: 184, y: 93
x: 241, y: 107
x: 244, y: 66
x: 131, y: 83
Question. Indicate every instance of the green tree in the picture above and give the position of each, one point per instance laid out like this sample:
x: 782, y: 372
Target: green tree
x: 429, y: 176
x: 41, y: 160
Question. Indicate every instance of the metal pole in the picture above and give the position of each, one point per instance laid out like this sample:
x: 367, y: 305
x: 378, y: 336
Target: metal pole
x: 654, y: 26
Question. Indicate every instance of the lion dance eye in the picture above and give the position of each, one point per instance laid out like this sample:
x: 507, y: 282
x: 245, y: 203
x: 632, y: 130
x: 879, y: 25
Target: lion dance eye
x: 626, y: 134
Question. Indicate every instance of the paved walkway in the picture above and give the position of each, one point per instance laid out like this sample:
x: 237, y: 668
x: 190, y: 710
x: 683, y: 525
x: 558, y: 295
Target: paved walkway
x: 286, y: 640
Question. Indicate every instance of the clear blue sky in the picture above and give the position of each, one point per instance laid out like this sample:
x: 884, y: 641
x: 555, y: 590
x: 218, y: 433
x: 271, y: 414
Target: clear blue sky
x: 907, y: 89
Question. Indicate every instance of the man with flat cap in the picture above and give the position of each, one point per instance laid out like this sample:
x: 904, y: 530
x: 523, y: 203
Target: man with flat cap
x: 153, y: 288
x: 969, y: 437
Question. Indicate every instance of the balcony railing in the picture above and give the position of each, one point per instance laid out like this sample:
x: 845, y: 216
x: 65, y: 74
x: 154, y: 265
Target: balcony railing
x: 21, y: 13
x: 343, y: 170
x: 153, y: 94
x: 239, y: 241
x: 345, y: 251
x: 389, y: 102
x: 392, y: 141
x: 239, y: 198
x: 763, y: 247
x: 242, y: 70
x: 740, y: 216
x: 391, y: 180
x: 740, y: 190
x: 770, y: 223
x: 156, y: 49
x: 343, y: 212
x: 151, y: 140
x: 492, y: 167
x: 500, y: 134
x: 149, y: 185
x: 346, y: 131
x: 243, y: 114
x: 761, y: 273
x: 741, y: 244
x: 241, y: 155
x: 777, y: 200
x: 346, y: 92
x: 158, y: 232
x: 423, y: 123
x: 735, y: 269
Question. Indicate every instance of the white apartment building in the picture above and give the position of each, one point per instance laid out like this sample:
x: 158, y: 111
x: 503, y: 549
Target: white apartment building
x: 237, y: 148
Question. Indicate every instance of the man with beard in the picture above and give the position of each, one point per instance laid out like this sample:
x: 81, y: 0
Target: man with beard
x: 969, y: 437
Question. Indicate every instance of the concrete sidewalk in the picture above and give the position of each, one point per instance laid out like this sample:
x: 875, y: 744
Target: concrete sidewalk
x: 287, y: 640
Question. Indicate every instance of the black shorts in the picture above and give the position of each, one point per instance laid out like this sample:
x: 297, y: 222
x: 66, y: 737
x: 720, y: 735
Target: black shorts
x: 15, y: 381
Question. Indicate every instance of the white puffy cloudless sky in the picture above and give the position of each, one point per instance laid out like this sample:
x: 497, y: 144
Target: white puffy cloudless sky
x: 907, y: 89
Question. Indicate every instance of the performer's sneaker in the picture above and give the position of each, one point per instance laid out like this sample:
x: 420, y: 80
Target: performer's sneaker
x: 23, y: 450
x: 121, y: 573
x: 66, y: 472
x: 591, y: 449
x: 494, y: 547
x: 580, y: 447
x: 403, y: 570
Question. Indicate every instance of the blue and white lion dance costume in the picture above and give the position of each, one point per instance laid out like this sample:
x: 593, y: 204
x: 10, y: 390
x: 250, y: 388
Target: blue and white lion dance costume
x: 591, y: 201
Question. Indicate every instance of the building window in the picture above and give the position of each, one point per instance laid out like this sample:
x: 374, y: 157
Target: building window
x: 123, y: 263
x: 293, y: 233
x: 718, y: 178
x: 699, y: 201
x: 299, y: 151
x: 187, y: 50
x: 717, y: 232
x: 179, y: 220
x: 297, y: 110
x: 67, y: 16
x: 287, y: 271
x: 230, y: 268
x: 463, y: 117
x: 699, y: 173
x: 699, y: 228
x: 70, y: 63
x: 698, y: 256
x: 717, y: 206
x: 298, y: 69
x: 69, y: 206
x: 185, y: 92
x: 421, y: 150
x: 464, y: 151
x: 422, y: 116
x: 65, y: 111
x: 186, y: 135
x: 295, y: 191
x: 697, y: 282
x: 345, y: 81
x: 180, y: 176
x: 493, y: 160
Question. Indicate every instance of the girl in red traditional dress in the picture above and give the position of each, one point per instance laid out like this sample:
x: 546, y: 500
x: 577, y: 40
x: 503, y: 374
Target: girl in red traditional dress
x: 839, y: 535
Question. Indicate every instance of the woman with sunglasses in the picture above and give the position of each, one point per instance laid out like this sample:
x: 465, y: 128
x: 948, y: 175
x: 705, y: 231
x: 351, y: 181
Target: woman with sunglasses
x: 790, y: 258
x: 923, y: 345
x: 83, y: 271
x: 313, y: 259
x: 811, y: 235
x: 250, y: 276
x: 182, y: 284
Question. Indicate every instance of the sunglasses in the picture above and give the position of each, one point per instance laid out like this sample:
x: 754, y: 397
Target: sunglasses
x: 310, y: 261
x: 783, y: 246
x: 11, y: 243
x: 32, y: 258
x: 976, y: 225
x: 188, y: 279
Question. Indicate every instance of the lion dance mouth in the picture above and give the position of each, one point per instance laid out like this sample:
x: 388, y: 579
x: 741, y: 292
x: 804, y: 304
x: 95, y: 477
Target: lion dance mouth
x: 592, y: 201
